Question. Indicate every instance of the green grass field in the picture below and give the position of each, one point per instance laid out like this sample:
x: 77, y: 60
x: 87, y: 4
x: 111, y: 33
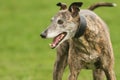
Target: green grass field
x: 24, y: 55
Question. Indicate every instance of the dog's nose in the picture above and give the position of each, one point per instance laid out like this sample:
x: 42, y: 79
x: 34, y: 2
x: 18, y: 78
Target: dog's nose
x: 43, y: 35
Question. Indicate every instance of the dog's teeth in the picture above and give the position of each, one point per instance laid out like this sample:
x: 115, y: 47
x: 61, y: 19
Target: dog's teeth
x: 50, y: 44
x: 53, y: 45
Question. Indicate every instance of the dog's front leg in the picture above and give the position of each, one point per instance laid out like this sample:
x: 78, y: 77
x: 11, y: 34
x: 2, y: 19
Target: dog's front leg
x: 61, y: 61
x: 73, y: 75
x: 74, y: 71
x: 98, y: 74
x: 109, y: 73
x: 75, y: 64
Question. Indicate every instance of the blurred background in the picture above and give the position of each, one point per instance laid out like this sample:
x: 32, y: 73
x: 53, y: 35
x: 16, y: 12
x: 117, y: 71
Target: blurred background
x: 24, y: 55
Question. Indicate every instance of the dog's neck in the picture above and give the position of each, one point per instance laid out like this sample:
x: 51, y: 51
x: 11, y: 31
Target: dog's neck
x: 81, y: 28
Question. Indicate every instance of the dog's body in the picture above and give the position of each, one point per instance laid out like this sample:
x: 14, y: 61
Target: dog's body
x: 83, y: 42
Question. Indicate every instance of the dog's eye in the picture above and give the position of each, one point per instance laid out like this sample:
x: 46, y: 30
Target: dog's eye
x: 60, y: 21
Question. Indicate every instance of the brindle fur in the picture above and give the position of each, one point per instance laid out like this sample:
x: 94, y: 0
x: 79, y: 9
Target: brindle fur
x: 92, y: 50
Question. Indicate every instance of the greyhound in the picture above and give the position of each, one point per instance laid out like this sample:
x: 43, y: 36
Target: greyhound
x: 82, y: 41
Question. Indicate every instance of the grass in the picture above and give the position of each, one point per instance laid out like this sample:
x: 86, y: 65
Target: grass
x: 24, y: 55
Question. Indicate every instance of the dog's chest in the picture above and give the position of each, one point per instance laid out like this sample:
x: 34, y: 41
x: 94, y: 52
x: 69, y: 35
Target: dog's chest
x: 82, y: 53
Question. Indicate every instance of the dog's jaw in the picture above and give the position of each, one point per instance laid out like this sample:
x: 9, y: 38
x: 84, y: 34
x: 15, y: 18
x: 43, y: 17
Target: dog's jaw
x: 58, y: 39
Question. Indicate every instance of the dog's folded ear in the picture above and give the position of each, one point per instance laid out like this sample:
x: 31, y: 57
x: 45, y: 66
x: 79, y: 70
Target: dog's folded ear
x: 74, y: 8
x: 63, y: 6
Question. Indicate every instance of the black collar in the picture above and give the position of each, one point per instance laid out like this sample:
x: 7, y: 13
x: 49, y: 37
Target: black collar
x: 81, y: 28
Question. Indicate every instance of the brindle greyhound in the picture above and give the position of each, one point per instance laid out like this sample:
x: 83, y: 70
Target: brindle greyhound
x: 82, y: 41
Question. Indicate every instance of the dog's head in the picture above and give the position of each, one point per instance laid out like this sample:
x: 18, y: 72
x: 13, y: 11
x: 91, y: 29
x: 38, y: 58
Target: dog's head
x: 64, y: 24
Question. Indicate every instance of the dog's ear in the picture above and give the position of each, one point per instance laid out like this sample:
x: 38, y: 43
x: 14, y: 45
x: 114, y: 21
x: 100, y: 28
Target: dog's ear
x: 62, y: 6
x: 74, y: 8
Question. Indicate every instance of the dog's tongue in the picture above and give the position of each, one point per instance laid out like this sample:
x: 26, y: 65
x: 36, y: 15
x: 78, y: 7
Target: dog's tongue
x: 56, y: 40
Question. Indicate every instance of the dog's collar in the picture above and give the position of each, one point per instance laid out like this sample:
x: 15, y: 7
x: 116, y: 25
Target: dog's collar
x: 81, y: 28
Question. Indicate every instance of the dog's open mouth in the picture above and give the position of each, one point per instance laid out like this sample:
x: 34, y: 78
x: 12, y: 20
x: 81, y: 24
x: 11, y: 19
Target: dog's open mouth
x: 58, y: 39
